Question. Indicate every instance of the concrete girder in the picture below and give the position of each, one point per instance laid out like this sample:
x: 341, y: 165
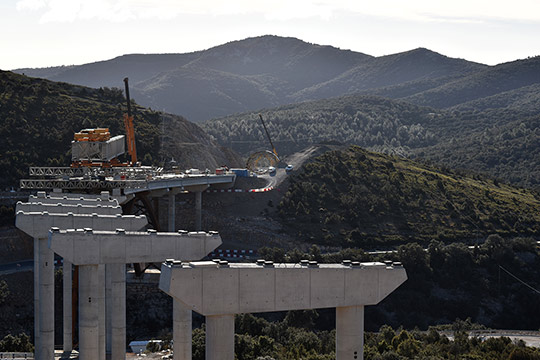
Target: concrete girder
x: 184, y: 181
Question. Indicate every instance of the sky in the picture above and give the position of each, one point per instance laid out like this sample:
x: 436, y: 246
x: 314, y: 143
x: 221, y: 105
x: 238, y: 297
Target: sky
x: 42, y: 33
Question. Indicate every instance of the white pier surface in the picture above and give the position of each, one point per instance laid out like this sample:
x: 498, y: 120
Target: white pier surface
x: 60, y: 208
x: 213, y: 289
x: 219, y: 290
x: 87, y: 246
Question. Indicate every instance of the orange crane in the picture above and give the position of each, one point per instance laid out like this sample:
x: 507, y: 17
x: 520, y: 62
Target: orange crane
x: 130, y: 129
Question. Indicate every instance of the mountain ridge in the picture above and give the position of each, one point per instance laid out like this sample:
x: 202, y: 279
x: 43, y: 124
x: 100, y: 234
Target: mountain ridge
x: 292, y: 70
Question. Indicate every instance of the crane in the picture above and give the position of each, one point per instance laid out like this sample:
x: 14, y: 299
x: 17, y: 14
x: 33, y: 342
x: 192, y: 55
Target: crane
x: 130, y: 130
x: 262, y: 161
x: 96, y: 148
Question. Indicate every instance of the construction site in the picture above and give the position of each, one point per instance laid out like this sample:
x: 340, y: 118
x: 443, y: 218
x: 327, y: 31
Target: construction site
x: 111, y: 220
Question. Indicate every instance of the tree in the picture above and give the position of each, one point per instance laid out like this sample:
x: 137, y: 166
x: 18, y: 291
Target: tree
x: 19, y: 343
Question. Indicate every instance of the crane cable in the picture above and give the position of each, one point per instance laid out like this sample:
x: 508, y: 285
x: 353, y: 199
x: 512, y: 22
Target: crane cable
x: 518, y: 279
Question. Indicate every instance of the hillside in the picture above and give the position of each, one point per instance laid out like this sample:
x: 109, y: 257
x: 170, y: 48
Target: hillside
x: 373, y: 122
x: 501, y: 142
x: 355, y: 198
x: 418, y: 65
x: 481, y: 84
x: 39, y: 118
x: 254, y: 73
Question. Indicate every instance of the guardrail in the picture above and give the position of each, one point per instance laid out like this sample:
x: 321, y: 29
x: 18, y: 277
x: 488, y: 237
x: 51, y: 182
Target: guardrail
x: 16, y: 355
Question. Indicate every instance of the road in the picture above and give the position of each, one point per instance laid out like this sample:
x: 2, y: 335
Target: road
x: 18, y: 266
x: 296, y: 160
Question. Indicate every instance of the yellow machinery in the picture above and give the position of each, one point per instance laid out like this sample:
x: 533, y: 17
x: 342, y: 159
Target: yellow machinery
x: 96, y: 147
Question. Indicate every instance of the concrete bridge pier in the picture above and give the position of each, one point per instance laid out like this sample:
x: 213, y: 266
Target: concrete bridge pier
x: 101, y: 309
x: 220, y: 337
x: 46, y: 301
x: 198, y: 190
x: 198, y: 210
x: 172, y: 211
x: 350, y: 333
x: 67, y: 306
x: 118, y: 311
x: 37, y: 346
x: 88, y: 313
x: 182, y: 332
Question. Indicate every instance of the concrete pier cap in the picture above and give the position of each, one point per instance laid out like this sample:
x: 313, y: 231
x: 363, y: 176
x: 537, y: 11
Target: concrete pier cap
x: 89, y: 246
x: 69, y: 198
x: 37, y: 224
x: 76, y: 208
x: 216, y: 288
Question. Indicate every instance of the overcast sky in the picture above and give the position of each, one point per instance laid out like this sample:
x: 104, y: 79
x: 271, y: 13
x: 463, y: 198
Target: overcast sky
x: 39, y: 33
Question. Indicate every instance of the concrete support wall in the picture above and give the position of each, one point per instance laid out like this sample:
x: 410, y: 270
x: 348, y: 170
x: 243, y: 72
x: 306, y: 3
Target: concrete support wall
x: 36, y: 300
x: 198, y: 210
x: 67, y: 306
x: 88, y: 313
x: 220, y: 337
x: 350, y: 333
x: 118, y: 311
x: 181, y: 331
x: 46, y: 301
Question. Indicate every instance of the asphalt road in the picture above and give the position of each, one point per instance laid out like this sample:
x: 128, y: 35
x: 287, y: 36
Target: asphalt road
x: 18, y: 266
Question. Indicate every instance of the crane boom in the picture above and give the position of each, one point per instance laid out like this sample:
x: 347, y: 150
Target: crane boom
x: 268, y: 135
x: 130, y: 130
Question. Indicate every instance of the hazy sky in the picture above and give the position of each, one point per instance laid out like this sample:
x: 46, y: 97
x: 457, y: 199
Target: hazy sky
x: 39, y: 33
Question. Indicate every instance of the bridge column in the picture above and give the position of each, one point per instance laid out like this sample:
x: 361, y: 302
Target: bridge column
x: 108, y: 311
x: 101, y: 314
x: 220, y: 337
x: 88, y: 313
x: 350, y: 333
x: 172, y: 211
x: 181, y: 331
x: 198, y: 210
x: 118, y: 312
x: 37, y: 346
x: 46, y: 301
x: 67, y: 306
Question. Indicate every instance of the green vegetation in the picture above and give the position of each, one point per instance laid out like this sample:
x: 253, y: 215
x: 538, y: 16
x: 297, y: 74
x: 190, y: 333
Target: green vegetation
x: 500, y: 142
x: 18, y: 343
x: 495, y: 283
x: 39, y: 118
x: 257, y: 338
x: 368, y: 121
x: 355, y: 198
x: 4, y: 291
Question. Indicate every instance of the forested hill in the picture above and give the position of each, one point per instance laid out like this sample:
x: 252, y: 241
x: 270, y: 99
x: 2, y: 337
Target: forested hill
x: 502, y: 142
x: 356, y: 198
x: 39, y: 118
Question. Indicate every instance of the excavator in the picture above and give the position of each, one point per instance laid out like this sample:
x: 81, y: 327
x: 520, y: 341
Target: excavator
x: 96, y: 147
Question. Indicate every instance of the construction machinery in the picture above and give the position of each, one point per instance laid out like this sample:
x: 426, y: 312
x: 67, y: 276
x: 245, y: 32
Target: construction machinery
x: 96, y: 147
x: 262, y: 161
